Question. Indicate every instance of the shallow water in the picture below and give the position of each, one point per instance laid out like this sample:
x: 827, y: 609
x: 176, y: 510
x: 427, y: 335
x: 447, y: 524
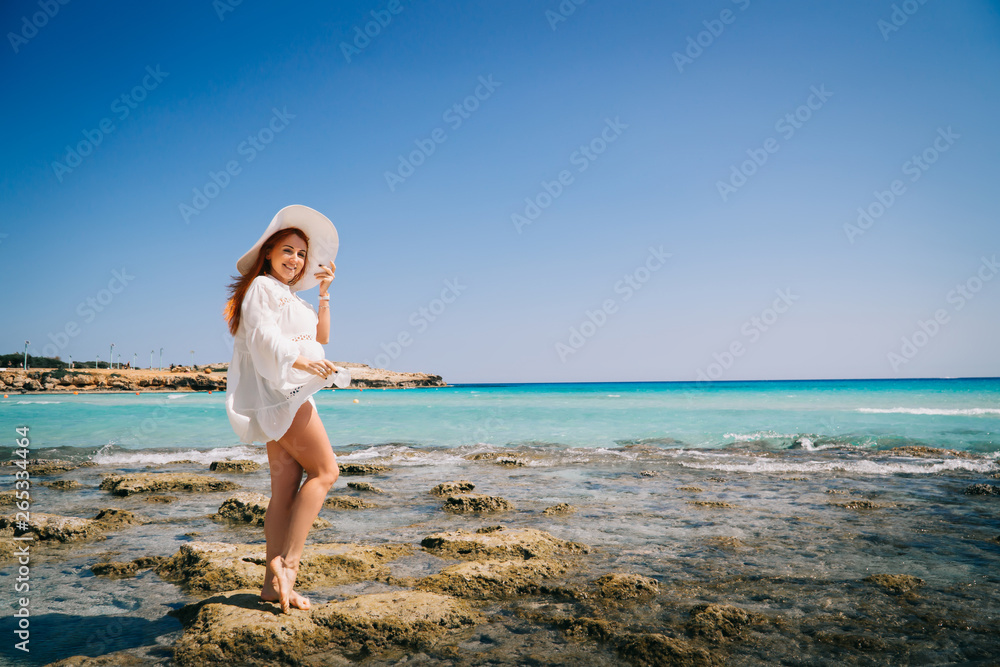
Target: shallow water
x: 783, y: 545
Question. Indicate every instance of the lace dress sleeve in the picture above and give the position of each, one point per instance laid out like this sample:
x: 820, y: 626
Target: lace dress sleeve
x: 272, y: 353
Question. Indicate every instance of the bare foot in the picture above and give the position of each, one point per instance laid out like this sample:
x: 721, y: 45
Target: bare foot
x: 276, y: 567
x: 295, y: 600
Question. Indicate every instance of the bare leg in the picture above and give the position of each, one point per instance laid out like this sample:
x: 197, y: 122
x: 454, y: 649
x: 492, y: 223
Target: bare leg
x: 307, y: 443
x: 286, y: 474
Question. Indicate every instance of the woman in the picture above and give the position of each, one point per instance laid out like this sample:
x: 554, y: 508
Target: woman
x: 278, y: 364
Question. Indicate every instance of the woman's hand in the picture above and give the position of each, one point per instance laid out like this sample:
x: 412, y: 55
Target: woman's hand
x: 320, y: 367
x: 325, y: 275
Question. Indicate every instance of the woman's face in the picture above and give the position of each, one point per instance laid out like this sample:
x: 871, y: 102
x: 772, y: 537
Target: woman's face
x: 287, y: 257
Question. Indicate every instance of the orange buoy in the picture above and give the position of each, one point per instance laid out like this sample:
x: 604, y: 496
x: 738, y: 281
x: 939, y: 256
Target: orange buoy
x: 5, y: 395
x: 136, y: 393
x: 210, y: 391
x: 75, y: 392
x: 355, y: 400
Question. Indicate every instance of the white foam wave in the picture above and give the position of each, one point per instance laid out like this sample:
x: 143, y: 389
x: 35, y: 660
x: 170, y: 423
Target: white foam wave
x: 134, y: 458
x: 757, y: 435
x: 37, y: 402
x: 932, y: 411
x: 171, y: 397
x: 863, y: 467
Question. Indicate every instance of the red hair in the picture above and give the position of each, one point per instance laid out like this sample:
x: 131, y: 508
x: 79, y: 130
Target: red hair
x: 238, y: 288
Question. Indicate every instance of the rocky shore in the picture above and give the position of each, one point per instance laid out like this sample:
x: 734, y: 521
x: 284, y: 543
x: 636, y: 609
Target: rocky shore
x: 476, y: 563
x: 182, y: 378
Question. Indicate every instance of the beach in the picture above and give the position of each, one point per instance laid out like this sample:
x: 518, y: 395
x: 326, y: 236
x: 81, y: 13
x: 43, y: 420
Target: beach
x: 604, y: 524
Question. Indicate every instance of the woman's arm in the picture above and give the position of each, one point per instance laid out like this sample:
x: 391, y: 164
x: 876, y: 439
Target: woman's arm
x: 325, y: 275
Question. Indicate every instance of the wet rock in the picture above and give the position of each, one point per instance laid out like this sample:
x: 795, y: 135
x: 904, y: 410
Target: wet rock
x: 116, y: 659
x: 239, y: 628
x: 365, y: 487
x: 373, y: 622
x: 691, y: 489
x: 250, y: 508
x: 929, y: 452
x: 7, y: 498
x: 490, y: 529
x: 983, y: 490
x: 362, y: 468
x: 218, y: 566
x: 113, y: 518
x: 851, y: 641
x: 712, y: 504
x: 895, y: 583
x: 56, y: 528
x: 725, y: 542
x: 161, y: 499
x: 838, y: 492
x: 500, y: 545
x: 147, y: 562
x: 648, y: 473
x: 115, y: 570
x: 621, y: 586
x: 861, y: 505
x: 474, y: 502
x: 452, y: 488
x: 46, y: 467
x: 492, y: 579
x: 656, y: 650
x: 561, y: 508
x: 720, y: 621
x: 236, y: 466
x: 63, y: 484
x: 126, y: 485
x: 510, y: 462
x: 346, y: 503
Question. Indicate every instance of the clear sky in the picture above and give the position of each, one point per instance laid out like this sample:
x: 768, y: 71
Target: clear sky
x: 524, y: 191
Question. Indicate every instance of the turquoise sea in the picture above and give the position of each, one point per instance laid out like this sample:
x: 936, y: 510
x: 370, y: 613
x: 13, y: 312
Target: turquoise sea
x: 780, y: 498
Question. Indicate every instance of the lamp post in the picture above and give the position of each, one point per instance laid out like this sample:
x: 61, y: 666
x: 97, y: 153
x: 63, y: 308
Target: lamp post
x: 111, y: 358
x: 71, y: 361
x: 97, y: 364
x: 26, y: 344
x: 151, y: 359
x: 161, y: 359
x: 192, y: 359
x: 134, y: 355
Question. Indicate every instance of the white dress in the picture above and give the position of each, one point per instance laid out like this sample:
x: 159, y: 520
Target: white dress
x: 263, y: 391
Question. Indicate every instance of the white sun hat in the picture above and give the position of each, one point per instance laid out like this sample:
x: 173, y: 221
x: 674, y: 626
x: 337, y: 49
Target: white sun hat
x: 323, y: 242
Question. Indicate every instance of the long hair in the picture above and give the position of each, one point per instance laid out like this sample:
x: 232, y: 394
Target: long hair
x: 238, y: 288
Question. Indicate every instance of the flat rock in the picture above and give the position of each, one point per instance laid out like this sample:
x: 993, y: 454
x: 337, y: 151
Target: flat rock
x: 115, y: 569
x: 219, y: 566
x: 720, y: 621
x: 236, y: 466
x: 250, y: 508
x: 895, y: 583
x: 238, y: 628
x: 362, y: 468
x: 46, y: 467
x: 473, y: 502
x: 409, y: 618
x: 57, y: 528
x: 126, y: 485
x: 861, y: 505
x: 712, y: 504
x: 112, y: 518
x: 492, y: 579
x: 365, y: 487
x: 983, y: 490
x: 561, y: 508
x: 627, y: 586
x: 656, y: 650
x: 346, y: 503
x: 452, y: 488
x: 8, y: 497
x: 500, y: 544
x: 63, y: 485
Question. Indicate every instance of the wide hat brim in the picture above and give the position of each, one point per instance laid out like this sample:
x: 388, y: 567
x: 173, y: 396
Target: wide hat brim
x: 323, y: 242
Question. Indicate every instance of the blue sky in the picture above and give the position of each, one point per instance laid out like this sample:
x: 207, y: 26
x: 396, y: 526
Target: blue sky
x: 713, y: 157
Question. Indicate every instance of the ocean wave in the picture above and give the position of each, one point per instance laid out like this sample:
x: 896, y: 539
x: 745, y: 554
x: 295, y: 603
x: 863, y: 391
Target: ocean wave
x: 865, y: 467
x: 931, y: 411
x: 112, y: 455
x: 757, y: 435
x: 37, y: 402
